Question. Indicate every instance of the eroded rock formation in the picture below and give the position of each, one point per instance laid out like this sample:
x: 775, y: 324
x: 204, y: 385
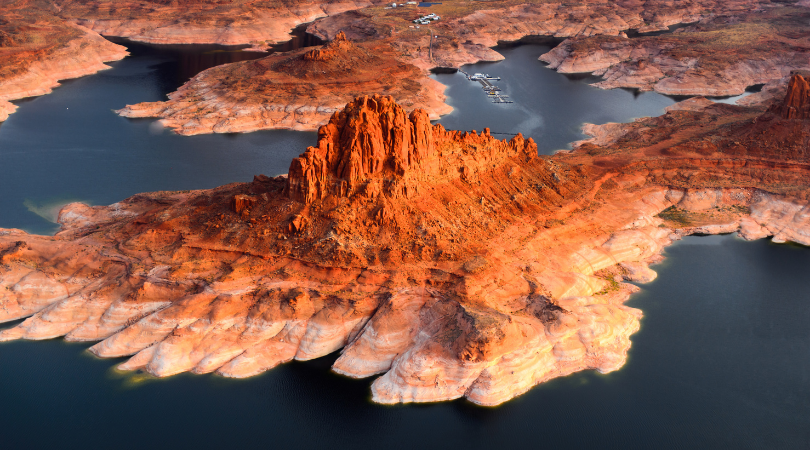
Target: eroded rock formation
x: 373, y: 146
x: 500, y: 270
x: 797, y: 99
x: 719, y: 56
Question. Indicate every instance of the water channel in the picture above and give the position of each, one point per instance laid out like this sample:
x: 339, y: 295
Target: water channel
x: 722, y: 359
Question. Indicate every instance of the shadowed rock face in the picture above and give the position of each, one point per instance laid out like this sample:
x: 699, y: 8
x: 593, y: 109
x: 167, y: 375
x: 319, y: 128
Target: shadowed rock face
x: 332, y: 50
x: 450, y: 264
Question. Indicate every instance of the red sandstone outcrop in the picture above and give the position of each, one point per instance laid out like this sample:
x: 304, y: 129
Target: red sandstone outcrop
x: 41, y: 49
x: 298, y: 90
x: 495, y: 271
x: 797, y: 99
x: 374, y: 147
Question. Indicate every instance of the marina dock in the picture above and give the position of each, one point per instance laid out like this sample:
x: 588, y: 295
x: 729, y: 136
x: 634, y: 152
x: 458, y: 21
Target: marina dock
x: 493, y: 91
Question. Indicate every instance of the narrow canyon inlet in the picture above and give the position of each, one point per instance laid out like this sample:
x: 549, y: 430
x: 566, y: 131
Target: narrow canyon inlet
x: 348, y: 253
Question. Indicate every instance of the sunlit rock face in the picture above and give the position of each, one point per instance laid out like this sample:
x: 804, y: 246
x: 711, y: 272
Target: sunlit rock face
x: 797, y: 100
x: 447, y: 264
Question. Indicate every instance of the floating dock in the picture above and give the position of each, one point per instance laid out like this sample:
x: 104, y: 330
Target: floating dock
x: 492, y: 91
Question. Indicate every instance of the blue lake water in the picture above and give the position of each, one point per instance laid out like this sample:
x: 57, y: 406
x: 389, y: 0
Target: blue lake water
x: 548, y: 106
x: 722, y: 359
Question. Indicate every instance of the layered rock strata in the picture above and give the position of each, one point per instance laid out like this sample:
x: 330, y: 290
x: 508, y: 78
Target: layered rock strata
x: 450, y: 264
x: 298, y: 90
x: 225, y: 22
x: 37, y: 50
x: 467, y: 31
x: 720, y: 56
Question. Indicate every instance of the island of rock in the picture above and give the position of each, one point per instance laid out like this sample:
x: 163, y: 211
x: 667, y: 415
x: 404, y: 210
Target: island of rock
x: 446, y: 264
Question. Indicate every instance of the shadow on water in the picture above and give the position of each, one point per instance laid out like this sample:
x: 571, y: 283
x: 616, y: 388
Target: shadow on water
x: 183, y: 61
x: 670, y: 29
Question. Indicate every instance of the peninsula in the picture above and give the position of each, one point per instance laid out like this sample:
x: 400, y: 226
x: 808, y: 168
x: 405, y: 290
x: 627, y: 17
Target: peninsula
x: 447, y: 264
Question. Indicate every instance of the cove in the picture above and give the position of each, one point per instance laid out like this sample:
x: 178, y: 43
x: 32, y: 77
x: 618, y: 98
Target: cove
x: 720, y: 362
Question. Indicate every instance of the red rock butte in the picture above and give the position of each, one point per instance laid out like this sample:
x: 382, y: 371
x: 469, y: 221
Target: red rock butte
x: 448, y: 264
x: 797, y: 101
x: 373, y: 146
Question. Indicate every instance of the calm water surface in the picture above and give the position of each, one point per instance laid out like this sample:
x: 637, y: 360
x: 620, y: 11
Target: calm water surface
x: 548, y: 106
x: 722, y: 359
x: 70, y: 146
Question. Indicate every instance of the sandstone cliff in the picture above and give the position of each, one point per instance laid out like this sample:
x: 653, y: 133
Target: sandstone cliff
x: 374, y: 147
x: 493, y: 271
x: 797, y: 99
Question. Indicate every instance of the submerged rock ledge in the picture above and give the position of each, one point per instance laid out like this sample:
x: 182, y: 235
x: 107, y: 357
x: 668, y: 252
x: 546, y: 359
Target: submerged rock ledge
x: 453, y: 264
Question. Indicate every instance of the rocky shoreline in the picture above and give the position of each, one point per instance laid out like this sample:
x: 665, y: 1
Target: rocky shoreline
x: 754, y: 48
x: 450, y: 264
x: 739, y: 44
x: 60, y: 51
x: 736, y: 46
